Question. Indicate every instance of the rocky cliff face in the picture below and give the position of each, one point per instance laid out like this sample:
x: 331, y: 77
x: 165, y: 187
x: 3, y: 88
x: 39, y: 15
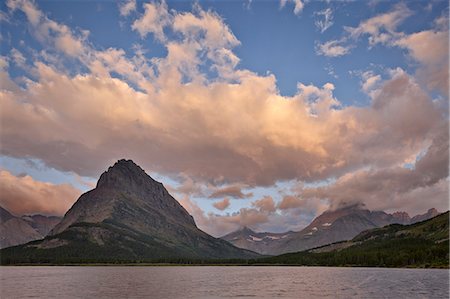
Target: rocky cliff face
x: 129, y: 216
x: 19, y: 230
x: 329, y: 227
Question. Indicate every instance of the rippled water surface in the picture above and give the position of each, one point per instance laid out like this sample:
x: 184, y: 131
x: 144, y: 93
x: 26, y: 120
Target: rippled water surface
x: 221, y: 282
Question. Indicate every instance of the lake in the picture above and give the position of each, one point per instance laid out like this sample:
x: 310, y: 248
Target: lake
x: 221, y: 282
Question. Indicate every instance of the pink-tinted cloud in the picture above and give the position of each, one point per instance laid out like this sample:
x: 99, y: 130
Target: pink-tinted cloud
x: 412, y: 189
x: 23, y: 195
x: 430, y: 48
x: 82, y: 123
x: 233, y: 191
x: 263, y: 216
x: 266, y: 204
x: 223, y: 204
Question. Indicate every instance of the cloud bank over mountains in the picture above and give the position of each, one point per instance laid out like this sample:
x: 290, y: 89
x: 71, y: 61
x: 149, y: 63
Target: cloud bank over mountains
x: 194, y: 115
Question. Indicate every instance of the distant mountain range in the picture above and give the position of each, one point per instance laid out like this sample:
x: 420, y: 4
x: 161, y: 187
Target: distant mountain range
x: 127, y: 217
x: 19, y: 230
x: 329, y: 227
x: 423, y: 244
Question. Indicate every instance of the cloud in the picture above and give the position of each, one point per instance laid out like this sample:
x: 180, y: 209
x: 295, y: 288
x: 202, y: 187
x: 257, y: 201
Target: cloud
x: 298, y: 5
x: 154, y: 19
x: 48, y: 31
x: 23, y: 195
x: 266, y: 204
x: 430, y: 48
x: 264, y: 215
x: 219, y: 225
x: 370, y: 81
x: 395, y: 187
x: 381, y: 28
x: 234, y: 191
x: 85, y: 122
x: 18, y: 58
x: 127, y: 7
x: 333, y: 48
x: 327, y: 20
x: 223, y: 204
x: 292, y: 204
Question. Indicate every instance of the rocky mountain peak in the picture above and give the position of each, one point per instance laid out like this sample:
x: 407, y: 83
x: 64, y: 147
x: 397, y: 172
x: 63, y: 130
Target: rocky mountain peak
x: 421, y: 217
x: 401, y: 217
x: 129, y: 215
x: 124, y: 173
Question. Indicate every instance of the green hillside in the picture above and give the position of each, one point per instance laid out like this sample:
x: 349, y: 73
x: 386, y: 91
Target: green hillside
x: 424, y: 244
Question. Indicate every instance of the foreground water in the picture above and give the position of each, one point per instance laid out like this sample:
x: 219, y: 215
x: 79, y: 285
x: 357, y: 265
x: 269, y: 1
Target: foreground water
x: 221, y: 282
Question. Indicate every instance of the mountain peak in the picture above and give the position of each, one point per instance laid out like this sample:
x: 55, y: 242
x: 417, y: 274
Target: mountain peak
x: 421, y: 217
x: 131, y: 216
x: 124, y: 173
x: 124, y: 163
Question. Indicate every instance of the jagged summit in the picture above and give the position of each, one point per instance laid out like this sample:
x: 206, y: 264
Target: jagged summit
x: 124, y: 172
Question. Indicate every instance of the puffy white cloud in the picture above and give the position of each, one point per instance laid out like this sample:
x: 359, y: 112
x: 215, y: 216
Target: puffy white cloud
x: 370, y: 81
x: 154, y: 19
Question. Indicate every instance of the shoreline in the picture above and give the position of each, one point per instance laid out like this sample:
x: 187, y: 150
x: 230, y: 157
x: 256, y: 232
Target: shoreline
x: 208, y: 265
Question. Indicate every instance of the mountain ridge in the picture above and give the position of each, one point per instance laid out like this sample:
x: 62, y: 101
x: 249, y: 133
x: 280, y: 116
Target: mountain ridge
x: 422, y: 244
x: 329, y: 227
x: 16, y: 230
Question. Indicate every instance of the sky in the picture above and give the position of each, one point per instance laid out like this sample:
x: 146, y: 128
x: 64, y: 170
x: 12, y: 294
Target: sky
x: 252, y: 113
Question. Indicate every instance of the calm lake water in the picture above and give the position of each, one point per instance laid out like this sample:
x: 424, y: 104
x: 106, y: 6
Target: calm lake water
x: 221, y: 282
